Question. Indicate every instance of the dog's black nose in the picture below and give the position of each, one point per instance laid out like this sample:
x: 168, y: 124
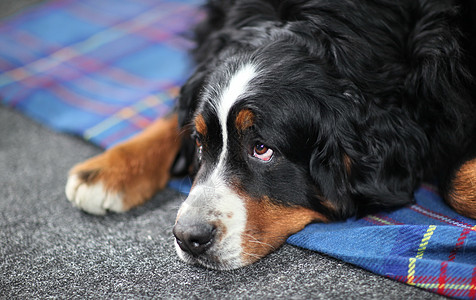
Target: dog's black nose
x: 194, y: 238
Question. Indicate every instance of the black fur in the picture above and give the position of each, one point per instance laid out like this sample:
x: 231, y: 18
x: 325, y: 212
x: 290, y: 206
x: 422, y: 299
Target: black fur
x: 383, y: 84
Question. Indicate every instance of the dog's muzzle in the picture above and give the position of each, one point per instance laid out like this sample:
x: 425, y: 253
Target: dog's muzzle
x: 209, y: 227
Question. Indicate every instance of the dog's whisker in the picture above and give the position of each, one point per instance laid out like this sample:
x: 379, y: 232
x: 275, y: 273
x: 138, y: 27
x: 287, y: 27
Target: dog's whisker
x: 251, y: 254
x: 257, y: 241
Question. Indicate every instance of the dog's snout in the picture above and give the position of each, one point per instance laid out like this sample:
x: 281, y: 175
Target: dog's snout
x: 194, y: 238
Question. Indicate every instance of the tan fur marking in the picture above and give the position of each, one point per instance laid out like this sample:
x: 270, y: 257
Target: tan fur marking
x: 347, y: 163
x: 244, y: 120
x: 462, y: 196
x: 137, y: 168
x: 200, y: 125
x: 269, y: 225
x: 327, y: 204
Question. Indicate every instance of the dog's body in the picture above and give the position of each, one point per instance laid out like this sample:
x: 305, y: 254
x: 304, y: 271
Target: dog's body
x: 303, y: 111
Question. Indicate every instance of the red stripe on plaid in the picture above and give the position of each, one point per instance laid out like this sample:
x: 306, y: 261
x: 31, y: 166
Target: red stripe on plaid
x: 84, y: 103
x: 472, y: 291
x: 140, y: 121
x: 457, y: 292
x: 31, y: 47
x: 137, y: 122
x: 442, y: 280
x: 401, y: 278
x: 455, y: 286
x: 459, y: 244
x: 6, y: 65
x: 67, y: 96
x: 425, y: 279
x: 89, y: 65
x: 440, y: 217
x: 154, y: 32
x: 429, y: 279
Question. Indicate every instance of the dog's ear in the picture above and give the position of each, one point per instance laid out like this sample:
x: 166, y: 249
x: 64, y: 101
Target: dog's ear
x: 365, y: 157
x: 185, y: 109
x: 189, y: 95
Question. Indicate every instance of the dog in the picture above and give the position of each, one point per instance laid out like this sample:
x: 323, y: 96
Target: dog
x: 303, y: 111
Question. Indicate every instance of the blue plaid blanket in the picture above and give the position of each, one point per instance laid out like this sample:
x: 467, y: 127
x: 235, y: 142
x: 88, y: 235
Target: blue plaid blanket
x: 106, y: 69
x: 103, y: 70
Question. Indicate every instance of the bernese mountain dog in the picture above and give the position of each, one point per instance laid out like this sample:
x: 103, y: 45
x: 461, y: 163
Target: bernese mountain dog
x: 303, y: 111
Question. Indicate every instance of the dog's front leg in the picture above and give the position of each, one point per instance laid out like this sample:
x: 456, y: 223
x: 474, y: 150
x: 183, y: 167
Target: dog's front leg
x: 128, y: 174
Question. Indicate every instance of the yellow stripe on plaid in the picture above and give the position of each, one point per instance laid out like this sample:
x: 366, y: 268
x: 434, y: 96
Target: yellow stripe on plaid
x: 446, y: 286
x: 420, y: 252
x: 129, y: 112
x: 380, y: 220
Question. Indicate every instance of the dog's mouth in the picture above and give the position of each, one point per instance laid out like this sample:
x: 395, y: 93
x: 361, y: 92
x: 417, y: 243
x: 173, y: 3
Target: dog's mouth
x: 220, y: 229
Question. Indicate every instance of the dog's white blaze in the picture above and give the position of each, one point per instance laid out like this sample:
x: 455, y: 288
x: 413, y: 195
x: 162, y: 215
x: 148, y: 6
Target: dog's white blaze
x: 237, y: 86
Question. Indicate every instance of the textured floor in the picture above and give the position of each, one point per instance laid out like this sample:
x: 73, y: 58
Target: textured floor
x: 9, y: 7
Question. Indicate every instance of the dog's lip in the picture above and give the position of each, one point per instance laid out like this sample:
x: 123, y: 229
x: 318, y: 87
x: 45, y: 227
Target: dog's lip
x: 211, y: 260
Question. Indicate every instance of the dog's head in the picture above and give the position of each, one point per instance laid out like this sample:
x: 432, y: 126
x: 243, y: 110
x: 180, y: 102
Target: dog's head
x: 282, y: 143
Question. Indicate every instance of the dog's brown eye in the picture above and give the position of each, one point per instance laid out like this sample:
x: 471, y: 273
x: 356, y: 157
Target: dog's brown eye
x: 262, y: 152
x: 198, y: 141
x: 260, y: 149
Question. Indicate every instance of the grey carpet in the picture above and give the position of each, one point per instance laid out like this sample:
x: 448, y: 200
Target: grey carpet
x: 50, y: 249
x: 11, y: 7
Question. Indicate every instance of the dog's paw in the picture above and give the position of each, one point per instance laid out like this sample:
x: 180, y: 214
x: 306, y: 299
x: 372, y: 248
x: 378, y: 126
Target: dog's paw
x: 93, y: 198
x: 116, y: 180
x: 94, y: 187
